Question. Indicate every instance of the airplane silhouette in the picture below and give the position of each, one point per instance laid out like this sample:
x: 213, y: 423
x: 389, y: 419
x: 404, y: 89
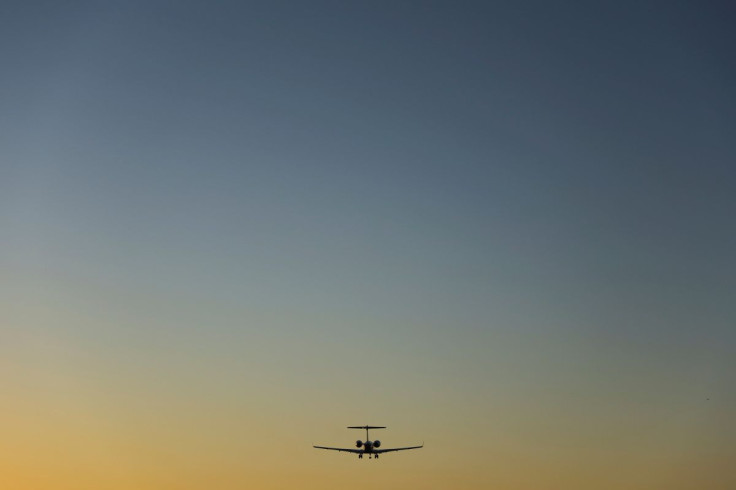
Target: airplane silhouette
x: 368, y: 447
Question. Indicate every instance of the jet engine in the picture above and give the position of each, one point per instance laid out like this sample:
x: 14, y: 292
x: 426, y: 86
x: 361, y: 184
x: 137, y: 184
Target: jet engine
x: 358, y: 443
x: 376, y: 443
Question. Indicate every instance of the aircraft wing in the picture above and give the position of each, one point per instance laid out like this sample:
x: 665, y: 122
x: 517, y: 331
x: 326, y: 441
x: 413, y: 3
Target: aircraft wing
x: 341, y: 449
x: 379, y: 451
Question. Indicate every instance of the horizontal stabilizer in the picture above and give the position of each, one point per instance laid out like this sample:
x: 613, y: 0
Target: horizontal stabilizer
x: 366, y: 427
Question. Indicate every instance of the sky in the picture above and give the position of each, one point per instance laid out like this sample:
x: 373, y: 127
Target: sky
x: 228, y: 230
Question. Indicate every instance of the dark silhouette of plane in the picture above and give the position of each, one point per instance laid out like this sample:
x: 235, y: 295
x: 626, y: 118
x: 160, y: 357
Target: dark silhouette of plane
x: 368, y: 447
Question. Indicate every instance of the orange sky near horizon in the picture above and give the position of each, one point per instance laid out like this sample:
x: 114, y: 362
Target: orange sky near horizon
x: 243, y: 410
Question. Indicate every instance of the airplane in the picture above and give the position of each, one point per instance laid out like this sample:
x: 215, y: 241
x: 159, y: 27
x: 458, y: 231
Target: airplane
x: 371, y: 448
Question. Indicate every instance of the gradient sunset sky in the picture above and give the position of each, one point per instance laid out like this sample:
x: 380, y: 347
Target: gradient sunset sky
x: 228, y: 230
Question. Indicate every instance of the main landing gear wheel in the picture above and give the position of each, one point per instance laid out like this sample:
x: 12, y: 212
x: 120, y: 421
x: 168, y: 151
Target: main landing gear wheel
x: 376, y: 456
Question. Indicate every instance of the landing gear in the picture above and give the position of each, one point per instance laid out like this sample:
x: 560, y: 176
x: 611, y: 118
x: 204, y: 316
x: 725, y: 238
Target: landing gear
x: 360, y: 456
x: 376, y: 456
